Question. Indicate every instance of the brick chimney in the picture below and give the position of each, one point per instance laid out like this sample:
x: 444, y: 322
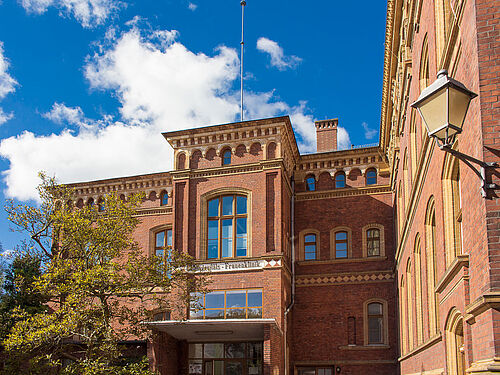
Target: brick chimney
x: 326, y: 135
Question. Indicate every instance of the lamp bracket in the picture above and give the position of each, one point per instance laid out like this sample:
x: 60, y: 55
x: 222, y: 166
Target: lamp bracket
x: 469, y: 161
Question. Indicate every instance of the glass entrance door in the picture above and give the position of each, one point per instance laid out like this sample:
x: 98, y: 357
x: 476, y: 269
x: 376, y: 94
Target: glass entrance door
x: 231, y: 358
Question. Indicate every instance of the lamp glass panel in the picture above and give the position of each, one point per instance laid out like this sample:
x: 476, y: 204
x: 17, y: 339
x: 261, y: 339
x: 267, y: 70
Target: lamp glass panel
x: 459, y: 102
x: 434, y: 111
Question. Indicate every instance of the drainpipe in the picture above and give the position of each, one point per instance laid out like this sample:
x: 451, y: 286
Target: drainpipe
x: 292, y: 299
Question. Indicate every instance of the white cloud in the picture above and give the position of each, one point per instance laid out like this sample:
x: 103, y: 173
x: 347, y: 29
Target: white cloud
x: 192, y: 6
x: 369, y: 132
x: 89, y: 13
x: 7, y: 84
x: 343, y: 139
x: 61, y: 114
x: 161, y: 86
x: 278, y: 58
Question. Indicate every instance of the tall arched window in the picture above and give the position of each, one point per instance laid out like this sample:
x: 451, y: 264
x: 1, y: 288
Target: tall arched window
x: 371, y: 177
x: 310, y: 247
x: 413, y: 144
x: 452, y: 209
x: 424, y: 64
x: 227, y: 227
x: 310, y: 183
x: 430, y: 249
x: 406, y: 179
x: 403, y: 323
x: 340, y: 180
x: 443, y: 15
x: 418, y: 291
x: 409, y: 305
x: 163, y: 245
x: 401, y: 208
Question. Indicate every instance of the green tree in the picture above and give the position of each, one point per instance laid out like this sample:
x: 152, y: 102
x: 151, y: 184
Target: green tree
x: 99, y: 284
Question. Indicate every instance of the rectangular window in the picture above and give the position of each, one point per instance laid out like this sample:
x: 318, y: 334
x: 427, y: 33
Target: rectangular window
x: 163, y: 244
x: 230, y: 304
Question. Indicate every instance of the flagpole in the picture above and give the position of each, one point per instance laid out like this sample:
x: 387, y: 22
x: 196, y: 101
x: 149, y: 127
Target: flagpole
x: 242, y: 44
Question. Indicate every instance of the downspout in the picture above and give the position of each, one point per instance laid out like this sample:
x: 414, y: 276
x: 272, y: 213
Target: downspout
x: 292, y: 299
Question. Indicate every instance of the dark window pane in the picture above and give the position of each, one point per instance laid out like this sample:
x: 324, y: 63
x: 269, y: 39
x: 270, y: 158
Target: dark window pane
x: 310, y: 184
x: 310, y: 256
x: 371, y: 177
x: 310, y: 238
x: 226, y: 158
x: 235, y: 350
x: 241, y: 247
x: 164, y: 199
x: 341, y: 246
x: 213, y: 249
x: 254, y: 313
x: 255, y: 298
x: 341, y: 235
x: 241, y: 226
x: 227, y: 248
x: 340, y: 180
x: 241, y: 205
x: 213, y: 207
x: 375, y: 309
x: 254, y: 351
x: 227, y: 205
x: 233, y: 368
x: 195, y: 350
x: 214, y: 350
x: 236, y: 299
x: 227, y: 228
x: 214, y: 314
x: 307, y: 371
x: 341, y: 254
x: 375, y: 331
x: 160, y: 239
x: 214, y: 300
x: 213, y: 229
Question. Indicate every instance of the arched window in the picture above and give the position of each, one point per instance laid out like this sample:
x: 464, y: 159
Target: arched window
x: 371, y: 177
x: 310, y: 183
x: 375, y: 323
x: 413, y: 144
x: 226, y: 157
x: 409, y: 305
x: 341, y: 244
x: 340, y: 180
x: 310, y: 247
x: 406, y: 179
x: 373, y: 242
x: 163, y: 245
x: 101, y: 207
x: 424, y: 64
x: 90, y: 202
x: 163, y: 198
x: 452, y: 209
x: 430, y: 241
x: 375, y: 317
x: 181, y: 161
x: 403, y: 324
x: 79, y: 203
x: 227, y: 227
x: 418, y: 292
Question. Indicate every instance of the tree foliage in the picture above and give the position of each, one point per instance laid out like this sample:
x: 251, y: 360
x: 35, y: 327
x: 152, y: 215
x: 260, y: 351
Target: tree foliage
x: 100, y: 286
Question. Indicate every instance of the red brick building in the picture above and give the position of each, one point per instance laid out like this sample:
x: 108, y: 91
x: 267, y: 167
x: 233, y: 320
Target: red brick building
x: 375, y: 260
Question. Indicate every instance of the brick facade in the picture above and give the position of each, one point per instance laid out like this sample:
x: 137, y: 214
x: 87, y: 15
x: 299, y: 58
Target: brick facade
x: 395, y: 276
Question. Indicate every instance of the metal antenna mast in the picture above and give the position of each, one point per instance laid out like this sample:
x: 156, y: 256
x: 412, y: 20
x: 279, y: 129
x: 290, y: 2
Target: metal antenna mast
x: 242, y: 44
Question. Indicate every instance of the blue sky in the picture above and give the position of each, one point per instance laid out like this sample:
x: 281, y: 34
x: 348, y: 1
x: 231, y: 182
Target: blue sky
x: 86, y: 86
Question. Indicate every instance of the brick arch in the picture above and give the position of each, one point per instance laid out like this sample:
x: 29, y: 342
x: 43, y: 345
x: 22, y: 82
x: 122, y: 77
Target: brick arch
x: 324, y: 181
x: 195, y: 159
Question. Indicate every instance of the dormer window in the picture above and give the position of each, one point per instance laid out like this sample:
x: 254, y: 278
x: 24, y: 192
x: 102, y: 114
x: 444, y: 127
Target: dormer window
x: 226, y: 157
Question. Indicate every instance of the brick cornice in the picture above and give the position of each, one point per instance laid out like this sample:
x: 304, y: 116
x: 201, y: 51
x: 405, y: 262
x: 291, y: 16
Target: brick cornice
x: 339, y: 193
x: 228, y: 170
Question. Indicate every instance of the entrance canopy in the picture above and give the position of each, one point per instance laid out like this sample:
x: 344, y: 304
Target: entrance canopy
x: 217, y: 329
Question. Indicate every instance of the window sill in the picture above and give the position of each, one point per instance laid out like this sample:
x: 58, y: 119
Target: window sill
x: 343, y: 260
x: 458, y: 263
x: 364, y: 347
